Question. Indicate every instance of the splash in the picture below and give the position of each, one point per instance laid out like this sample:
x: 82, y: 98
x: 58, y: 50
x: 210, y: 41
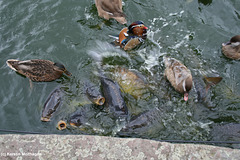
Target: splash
x: 104, y: 50
x: 151, y: 59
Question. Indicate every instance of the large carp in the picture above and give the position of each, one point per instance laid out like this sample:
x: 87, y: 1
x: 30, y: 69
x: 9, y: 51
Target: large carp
x: 131, y: 82
x: 93, y: 94
x: 52, y: 103
x: 144, y: 124
x: 114, y: 99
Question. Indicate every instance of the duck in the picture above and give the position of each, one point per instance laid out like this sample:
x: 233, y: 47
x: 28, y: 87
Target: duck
x: 179, y: 76
x: 111, y: 9
x: 231, y: 49
x: 131, y: 36
x: 38, y: 69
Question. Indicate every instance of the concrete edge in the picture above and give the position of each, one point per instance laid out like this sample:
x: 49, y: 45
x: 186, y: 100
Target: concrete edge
x: 44, y: 147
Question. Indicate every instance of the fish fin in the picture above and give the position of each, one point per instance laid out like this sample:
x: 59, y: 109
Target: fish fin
x: 211, y: 81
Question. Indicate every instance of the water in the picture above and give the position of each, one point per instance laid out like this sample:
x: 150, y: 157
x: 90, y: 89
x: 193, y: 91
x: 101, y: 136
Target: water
x: 65, y: 31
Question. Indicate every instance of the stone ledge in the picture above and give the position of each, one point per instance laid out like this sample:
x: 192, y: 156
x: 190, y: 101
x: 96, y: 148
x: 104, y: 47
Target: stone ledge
x: 98, y: 147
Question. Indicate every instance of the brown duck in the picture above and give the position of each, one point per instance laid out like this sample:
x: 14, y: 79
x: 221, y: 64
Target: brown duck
x: 38, y: 69
x: 231, y: 49
x: 179, y: 76
x: 111, y: 9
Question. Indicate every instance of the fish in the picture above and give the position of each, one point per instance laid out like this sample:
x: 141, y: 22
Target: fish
x: 53, y: 102
x: 130, y: 82
x: 81, y: 118
x: 203, y: 85
x: 144, y: 123
x: 114, y: 99
x: 61, y: 125
x: 93, y: 94
x: 226, y: 132
x: 211, y: 81
x: 77, y: 119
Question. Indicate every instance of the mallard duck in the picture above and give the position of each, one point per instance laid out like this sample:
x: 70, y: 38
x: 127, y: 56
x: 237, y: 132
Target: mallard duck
x: 131, y: 36
x: 111, y: 9
x: 38, y: 69
x: 179, y: 76
x: 231, y: 49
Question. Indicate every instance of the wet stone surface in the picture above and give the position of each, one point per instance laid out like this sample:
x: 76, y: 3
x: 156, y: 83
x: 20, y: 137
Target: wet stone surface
x: 97, y: 147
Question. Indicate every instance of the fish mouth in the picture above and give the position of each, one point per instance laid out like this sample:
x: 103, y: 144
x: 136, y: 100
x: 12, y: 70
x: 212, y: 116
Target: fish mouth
x: 62, y: 125
x: 45, y: 119
x: 73, y: 124
x: 100, y: 101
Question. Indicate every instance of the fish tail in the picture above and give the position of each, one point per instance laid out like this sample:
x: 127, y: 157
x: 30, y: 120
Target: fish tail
x: 211, y: 81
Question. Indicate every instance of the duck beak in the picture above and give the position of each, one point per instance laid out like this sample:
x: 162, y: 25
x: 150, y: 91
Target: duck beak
x: 185, y: 97
x: 227, y: 43
x: 67, y: 73
x: 145, y: 27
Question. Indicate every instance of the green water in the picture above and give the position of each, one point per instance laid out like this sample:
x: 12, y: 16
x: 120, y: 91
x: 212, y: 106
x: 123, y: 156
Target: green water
x: 65, y: 31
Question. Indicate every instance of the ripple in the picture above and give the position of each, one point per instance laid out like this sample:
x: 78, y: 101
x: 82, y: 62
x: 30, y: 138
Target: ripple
x: 65, y: 31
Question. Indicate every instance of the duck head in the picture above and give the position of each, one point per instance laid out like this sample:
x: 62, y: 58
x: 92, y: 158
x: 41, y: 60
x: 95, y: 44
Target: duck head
x: 234, y: 41
x: 60, y: 67
x: 138, y: 29
x: 231, y: 49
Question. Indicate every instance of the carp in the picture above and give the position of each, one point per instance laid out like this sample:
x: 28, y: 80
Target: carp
x: 131, y: 82
x: 52, y: 103
x: 114, y: 99
x: 93, y: 94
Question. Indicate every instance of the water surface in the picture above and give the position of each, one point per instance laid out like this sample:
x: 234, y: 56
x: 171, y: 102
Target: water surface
x: 65, y: 31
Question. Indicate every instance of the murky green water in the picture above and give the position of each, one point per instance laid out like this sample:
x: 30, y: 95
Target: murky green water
x: 64, y: 31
